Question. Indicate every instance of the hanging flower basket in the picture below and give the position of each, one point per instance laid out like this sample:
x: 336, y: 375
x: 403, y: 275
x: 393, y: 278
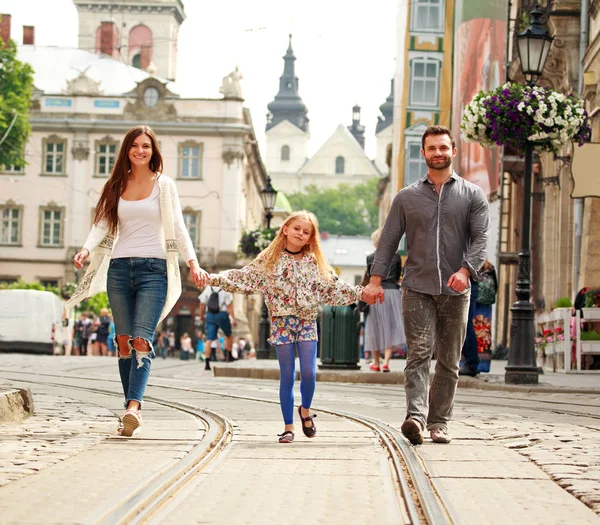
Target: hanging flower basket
x: 255, y: 241
x: 513, y: 114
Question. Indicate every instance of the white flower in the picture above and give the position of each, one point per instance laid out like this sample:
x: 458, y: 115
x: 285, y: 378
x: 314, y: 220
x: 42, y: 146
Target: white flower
x: 521, y: 106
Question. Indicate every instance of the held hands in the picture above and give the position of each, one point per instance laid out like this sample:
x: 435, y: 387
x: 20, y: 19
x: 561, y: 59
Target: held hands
x: 80, y: 258
x: 373, y: 293
x: 460, y: 280
x: 199, y: 276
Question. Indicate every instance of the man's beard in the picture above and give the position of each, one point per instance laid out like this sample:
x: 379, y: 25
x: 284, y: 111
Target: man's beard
x: 439, y: 165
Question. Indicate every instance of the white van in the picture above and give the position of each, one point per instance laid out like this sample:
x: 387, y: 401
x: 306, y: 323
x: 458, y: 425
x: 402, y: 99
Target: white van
x: 31, y: 321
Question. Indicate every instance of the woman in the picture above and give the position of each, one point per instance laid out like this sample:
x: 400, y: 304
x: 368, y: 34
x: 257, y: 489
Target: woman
x: 384, y: 328
x: 186, y: 346
x: 141, y: 269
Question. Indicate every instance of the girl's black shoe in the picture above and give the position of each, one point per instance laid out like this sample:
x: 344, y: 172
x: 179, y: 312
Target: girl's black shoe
x: 309, y: 432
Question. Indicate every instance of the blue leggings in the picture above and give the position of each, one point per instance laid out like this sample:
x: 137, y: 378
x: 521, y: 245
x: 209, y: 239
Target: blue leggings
x: 307, y: 352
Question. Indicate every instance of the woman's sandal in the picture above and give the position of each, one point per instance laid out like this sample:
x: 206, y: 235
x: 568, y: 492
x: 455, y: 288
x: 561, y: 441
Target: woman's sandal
x: 132, y: 421
x: 309, y: 432
x: 286, y: 437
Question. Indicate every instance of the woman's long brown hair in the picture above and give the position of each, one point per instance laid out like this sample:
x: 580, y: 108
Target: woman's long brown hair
x: 108, y: 205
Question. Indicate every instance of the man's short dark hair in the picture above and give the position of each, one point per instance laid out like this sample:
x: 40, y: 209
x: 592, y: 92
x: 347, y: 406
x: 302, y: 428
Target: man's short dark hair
x: 438, y: 130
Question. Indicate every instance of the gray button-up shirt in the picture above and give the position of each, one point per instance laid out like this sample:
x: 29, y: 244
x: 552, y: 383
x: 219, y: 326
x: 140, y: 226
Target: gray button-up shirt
x: 443, y: 233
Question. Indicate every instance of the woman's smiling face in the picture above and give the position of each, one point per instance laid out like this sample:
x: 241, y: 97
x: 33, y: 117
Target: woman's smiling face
x: 140, y: 151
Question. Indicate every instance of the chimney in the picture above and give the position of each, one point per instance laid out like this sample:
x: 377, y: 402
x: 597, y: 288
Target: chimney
x: 5, y: 27
x: 28, y: 35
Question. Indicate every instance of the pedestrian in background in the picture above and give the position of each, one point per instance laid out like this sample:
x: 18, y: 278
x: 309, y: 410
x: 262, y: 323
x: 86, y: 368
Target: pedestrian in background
x: 216, y: 310
x: 102, y: 326
x: 142, y: 206
x: 294, y: 278
x: 186, y: 348
x: 110, y: 343
x: 477, y: 349
x: 446, y: 220
x: 385, y: 329
x: 200, y: 352
x: 171, y: 347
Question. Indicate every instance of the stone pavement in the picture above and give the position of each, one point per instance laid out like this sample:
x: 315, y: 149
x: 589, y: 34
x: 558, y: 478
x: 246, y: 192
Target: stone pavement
x: 548, y: 382
x: 505, y: 465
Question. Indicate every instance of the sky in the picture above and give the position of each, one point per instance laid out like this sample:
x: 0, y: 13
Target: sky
x: 345, y: 53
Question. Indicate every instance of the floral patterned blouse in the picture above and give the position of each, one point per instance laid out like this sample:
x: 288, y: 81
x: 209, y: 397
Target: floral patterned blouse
x: 292, y: 288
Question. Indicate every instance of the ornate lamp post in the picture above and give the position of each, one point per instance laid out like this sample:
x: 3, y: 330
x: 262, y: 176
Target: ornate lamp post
x: 268, y: 196
x: 533, y: 45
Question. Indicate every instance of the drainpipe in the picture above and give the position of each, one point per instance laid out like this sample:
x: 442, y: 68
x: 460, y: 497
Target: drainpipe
x: 579, y: 203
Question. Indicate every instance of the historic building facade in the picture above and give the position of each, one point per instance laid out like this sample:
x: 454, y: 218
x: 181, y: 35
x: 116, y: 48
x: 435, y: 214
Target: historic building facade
x: 83, y: 104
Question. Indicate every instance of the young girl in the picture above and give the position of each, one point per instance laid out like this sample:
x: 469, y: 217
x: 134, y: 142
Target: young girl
x: 294, y: 278
x: 139, y: 270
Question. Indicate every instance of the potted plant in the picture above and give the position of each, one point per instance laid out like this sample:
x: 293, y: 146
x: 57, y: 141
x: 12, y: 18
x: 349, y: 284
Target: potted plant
x: 514, y: 114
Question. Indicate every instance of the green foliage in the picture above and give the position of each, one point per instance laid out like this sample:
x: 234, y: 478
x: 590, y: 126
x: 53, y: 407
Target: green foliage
x: 16, y: 88
x: 94, y: 304
x: 590, y: 335
x: 22, y: 285
x: 563, y: 302
x: 592, y: 298
x: 344, y: 210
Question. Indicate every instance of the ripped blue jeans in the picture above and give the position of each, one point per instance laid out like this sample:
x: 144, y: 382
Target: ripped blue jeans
x: 137, y: 290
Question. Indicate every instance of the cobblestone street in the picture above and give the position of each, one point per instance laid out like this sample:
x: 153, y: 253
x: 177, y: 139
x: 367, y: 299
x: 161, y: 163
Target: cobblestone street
x: 537, y: 454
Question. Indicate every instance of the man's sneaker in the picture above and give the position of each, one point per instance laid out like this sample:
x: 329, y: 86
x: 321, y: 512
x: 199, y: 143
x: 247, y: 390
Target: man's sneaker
x: 467, y: 371
x: 440, y: 435
x: 412, y: 430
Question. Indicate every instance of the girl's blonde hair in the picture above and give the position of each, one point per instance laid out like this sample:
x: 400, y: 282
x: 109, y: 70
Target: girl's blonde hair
x: 269, y: 257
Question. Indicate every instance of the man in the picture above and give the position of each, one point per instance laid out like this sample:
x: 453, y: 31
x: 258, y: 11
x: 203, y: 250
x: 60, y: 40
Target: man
x: 216, y: 315
x: 445, y: 219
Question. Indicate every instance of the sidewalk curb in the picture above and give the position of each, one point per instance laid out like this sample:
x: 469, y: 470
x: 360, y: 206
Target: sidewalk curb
x: 15, y: 405
x: 396, y: 378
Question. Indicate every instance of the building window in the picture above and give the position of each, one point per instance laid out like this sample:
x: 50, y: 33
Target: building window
x: 10, y: 224
x: 55, y: 150
x: 49, y: 283
x: 424, y: 82
x: 340, y: 165
x: 12, y: 170
x: 285, y: 153
x: 427, y: 15
x: 51, y: 226
x: 190, y: 161
x: 415, y: 166
x: 106, y: 154
x: 192, y: 223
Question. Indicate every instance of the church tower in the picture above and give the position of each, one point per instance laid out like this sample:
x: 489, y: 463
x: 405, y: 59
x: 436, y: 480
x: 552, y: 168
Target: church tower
x: 138, y: 32
x: 287, y: 128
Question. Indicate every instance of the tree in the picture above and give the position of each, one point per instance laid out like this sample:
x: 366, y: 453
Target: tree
x: 16, y: 88
x: 345, y: 210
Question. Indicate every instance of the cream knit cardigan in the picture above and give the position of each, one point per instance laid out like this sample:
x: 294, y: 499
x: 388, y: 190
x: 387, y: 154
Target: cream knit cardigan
x: 100, y: 245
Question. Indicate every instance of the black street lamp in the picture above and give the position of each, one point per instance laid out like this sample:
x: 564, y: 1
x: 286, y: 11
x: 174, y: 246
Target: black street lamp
x: 533, y: 44
x: 268, y: 196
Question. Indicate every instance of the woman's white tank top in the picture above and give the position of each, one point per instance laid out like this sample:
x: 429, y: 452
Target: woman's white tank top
x: 140, y: 228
